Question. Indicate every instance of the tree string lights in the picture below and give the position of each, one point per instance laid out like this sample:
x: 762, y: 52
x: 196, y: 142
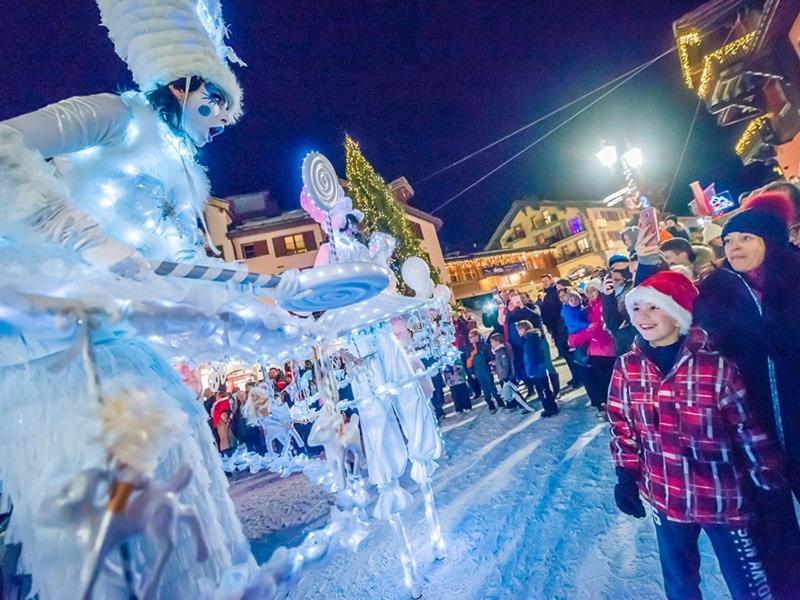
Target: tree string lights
x: 382, y: 212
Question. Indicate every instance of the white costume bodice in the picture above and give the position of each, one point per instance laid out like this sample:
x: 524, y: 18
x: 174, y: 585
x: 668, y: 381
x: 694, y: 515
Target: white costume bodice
x: 146, y: 191
x: 117, y: 165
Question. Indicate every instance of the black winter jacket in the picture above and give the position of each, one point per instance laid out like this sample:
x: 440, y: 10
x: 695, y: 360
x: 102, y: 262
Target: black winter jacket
x: 503, y: 365
x: 752, y: 333
x: 615, y: 317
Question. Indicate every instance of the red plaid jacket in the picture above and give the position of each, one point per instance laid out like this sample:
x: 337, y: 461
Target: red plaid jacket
x: 689, y: 434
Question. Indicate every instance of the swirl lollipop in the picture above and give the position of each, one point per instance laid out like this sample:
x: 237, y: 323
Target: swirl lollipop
x: 321, y: 182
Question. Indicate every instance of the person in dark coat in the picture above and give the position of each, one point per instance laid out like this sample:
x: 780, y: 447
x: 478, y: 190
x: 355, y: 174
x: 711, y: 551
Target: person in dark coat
x: 616, y: 286
x: 478, y: 362
x: 463, y: 325
x: 551, y: 317
x: 676, y: 229
x: 749, y: 307
x: 535, y: 366
x: 517, y: 312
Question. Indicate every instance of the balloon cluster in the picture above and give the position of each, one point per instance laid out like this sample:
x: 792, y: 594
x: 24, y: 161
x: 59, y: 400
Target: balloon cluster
x: 417, y: 276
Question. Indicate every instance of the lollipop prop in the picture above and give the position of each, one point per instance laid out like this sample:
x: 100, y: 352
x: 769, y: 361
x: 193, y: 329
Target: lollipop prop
x: 166, y: 268
x: 322, y: 186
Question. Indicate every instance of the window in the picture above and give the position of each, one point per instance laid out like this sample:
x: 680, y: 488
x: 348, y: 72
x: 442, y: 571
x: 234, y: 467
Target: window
x: 253, y: 249
x: 416, y: 229
x: 297, y: 243
x: 583, y: 245
x: 575, y: 225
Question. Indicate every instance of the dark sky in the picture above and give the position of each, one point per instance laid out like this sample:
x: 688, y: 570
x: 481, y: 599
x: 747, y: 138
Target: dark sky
x: 419, y: 84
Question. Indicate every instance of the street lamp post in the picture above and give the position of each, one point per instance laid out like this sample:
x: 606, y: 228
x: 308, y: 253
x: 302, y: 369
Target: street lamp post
x: 629, y: 161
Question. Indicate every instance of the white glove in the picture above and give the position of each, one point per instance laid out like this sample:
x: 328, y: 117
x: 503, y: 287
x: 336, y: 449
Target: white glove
x: 119, y: 259
x: 289, y: 285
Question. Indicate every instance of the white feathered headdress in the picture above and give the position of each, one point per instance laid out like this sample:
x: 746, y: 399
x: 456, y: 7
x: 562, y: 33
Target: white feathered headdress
x: 166, y: 40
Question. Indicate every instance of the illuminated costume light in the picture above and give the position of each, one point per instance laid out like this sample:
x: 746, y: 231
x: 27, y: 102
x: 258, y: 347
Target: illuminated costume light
x: 122, y: 189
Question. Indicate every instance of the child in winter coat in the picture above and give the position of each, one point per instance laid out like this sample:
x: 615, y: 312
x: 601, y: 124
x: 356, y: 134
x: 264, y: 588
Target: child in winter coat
x: 504, y: 369
x: 683, y: 437
x: 478, y: 362
x: 599, y: 345
x: 456, y: 380
x: 535, y: 366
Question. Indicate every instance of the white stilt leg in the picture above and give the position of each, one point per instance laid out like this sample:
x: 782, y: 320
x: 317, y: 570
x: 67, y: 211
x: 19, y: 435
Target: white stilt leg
x: 409, y: 564
x: 432, y: 516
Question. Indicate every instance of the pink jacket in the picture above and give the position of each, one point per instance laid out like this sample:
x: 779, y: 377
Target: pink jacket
x: 600, y: 341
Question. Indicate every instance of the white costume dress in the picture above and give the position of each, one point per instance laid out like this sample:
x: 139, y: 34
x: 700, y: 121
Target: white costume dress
x: 116, y: 171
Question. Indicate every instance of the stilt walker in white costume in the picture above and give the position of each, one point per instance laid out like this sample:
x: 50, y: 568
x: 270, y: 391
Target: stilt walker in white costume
x: 386, y: 389
x: 122, y: 190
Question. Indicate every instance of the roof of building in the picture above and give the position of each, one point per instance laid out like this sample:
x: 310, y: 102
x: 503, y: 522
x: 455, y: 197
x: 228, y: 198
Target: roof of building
x: 293, y: 218
x: 708, y: 16
x: 450, y: 258
x: 533, y: 202
x: 289, y: 218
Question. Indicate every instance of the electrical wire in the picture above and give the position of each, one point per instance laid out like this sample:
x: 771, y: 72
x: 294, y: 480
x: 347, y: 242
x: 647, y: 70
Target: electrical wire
x: 553, y: 130
x: 544, y: 117
x: 683, y: 153
x: 691, y: 127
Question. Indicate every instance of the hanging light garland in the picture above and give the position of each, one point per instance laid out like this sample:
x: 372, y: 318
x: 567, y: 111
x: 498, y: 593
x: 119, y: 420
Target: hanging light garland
x: 749, y: 134
x: 684, y: 42
x: 725, y: 55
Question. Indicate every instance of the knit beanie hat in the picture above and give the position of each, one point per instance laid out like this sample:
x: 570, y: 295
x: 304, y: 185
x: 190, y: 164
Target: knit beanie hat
x: 711, y: 232
x: 617, y: 258
x: 594, y: 283
x: 672, y: 292
x: 766, y: 215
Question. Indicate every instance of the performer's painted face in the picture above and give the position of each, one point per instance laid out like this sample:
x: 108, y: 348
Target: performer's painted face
x: 205, y: 113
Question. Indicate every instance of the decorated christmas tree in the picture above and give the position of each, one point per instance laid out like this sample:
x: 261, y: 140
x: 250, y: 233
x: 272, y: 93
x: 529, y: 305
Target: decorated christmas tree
x: 382, y: 212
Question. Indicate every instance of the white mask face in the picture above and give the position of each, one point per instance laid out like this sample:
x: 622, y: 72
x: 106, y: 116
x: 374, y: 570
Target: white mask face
x: 205, y: 114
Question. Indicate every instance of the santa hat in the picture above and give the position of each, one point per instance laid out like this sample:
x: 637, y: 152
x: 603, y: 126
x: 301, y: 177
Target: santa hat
x: 672, y: 292
x: 166, y: 40
x: 766, y: 215
x: 711, y: 232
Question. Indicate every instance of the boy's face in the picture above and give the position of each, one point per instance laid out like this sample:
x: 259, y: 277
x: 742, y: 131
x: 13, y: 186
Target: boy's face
x: 653, y: 324
x: 474, y: 338
x: 573, y: 301
x: 495, y: 344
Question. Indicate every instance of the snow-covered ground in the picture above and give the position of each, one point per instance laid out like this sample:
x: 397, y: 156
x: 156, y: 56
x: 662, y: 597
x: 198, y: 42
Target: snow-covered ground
x: 527, y: 509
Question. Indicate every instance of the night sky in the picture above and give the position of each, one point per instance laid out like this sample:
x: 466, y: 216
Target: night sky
x: 419, y: 84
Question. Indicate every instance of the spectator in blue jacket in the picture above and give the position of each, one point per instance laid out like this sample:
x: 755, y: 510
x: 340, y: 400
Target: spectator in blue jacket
x: 535, y: 366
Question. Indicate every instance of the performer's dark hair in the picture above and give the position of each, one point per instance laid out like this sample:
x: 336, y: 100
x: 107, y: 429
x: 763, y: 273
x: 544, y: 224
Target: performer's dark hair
x: 168, y: 107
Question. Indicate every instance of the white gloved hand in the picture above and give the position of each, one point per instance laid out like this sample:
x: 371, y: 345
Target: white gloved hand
x: 119, y: 259
x: 288, y: 286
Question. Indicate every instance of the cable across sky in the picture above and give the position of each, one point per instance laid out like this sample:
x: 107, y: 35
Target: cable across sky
x: 621, y: 80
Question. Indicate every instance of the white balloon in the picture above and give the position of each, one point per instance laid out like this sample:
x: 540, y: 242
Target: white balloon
x: 425, y: 290
x: 442, y: 292
x: 415, y: 271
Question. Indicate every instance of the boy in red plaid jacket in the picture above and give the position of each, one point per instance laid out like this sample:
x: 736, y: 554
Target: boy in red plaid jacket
x: 682, y: 435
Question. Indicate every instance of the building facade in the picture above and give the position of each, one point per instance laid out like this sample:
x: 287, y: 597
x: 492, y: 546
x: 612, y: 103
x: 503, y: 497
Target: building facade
x: 741, y: 59
x: 290, y: 240
x: 537, y: 237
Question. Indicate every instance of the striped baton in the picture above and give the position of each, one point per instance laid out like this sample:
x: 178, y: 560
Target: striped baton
x: 219, y: 274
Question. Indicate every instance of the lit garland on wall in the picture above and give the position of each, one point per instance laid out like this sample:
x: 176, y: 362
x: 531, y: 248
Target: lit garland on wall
x: 750, y: 132
x: 690, y: 39
x: 382, y: 212
x: 725, y: 55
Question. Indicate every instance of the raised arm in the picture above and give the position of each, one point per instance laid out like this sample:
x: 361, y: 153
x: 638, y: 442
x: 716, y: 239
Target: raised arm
x: 33, y: 193
x: 73, y: 124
